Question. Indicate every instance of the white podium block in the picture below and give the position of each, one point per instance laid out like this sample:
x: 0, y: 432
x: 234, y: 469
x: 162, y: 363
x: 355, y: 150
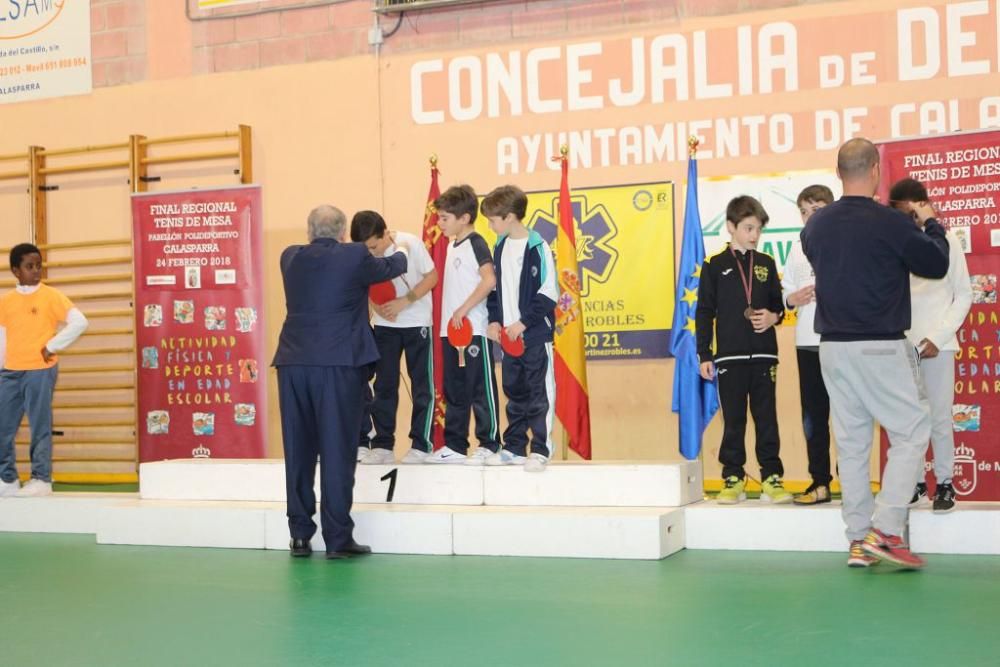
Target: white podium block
x: 427, y: 484
x: 184, y: 524
x: 753, y: 525
x: 396, y: 529
x: 595, y: 485
x: 255, y: 480
x: 973, y: 528
x: 58, y: 513
x: 563, y: 532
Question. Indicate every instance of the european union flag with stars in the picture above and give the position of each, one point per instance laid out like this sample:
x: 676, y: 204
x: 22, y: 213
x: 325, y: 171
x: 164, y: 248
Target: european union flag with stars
x: 695, y: 400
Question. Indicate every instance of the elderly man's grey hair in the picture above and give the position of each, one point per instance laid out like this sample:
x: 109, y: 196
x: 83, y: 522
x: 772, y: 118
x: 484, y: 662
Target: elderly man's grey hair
x: 327, y: 222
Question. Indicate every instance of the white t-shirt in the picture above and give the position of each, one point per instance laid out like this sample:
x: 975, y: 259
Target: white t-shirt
x: 419, y: 264
x: 461, y: 278
x: 510, y: 274
x: 798, y: 274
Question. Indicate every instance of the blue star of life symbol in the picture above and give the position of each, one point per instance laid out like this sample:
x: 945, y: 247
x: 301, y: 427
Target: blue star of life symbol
x: 594, y: 229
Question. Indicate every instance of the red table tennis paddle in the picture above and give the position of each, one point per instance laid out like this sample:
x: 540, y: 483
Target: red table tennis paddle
x: 460, y: 337
x: 512, y: 346
x: 382, y: 293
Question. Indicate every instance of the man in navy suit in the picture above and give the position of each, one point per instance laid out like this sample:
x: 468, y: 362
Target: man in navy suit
x: 324, y: 351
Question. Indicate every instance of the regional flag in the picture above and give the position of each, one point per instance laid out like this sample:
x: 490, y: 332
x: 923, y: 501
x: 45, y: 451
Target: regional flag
x: 695, y: 399
x: 572, y: 401
x: 437, y: 246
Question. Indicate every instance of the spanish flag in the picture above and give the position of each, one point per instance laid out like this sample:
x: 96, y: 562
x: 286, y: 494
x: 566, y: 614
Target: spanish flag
x: 572, y: 401
x: 437, y: 246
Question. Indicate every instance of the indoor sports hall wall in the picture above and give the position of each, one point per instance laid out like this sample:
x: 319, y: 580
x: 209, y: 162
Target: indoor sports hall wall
x: 771, y: 87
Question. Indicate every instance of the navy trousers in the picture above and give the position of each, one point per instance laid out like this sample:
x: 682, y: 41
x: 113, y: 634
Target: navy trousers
x: 415, y: 344
x: 471, y: 390
x: 320, y: 417
x: 529, y: 383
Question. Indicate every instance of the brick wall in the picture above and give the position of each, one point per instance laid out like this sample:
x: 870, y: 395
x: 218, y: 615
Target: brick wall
x: 327, y: 31
x: 118, y: 41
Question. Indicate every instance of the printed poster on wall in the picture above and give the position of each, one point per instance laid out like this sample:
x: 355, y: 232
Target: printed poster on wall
x: 625, y: 250
x: 199, y: 334
x: 44, y: 49
x: 962, y: 176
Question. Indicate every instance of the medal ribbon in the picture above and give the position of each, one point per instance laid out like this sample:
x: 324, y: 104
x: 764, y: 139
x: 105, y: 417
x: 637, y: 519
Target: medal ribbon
x: 747, y: 285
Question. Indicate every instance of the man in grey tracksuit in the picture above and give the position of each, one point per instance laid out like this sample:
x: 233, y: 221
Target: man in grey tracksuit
x: 863, y: 253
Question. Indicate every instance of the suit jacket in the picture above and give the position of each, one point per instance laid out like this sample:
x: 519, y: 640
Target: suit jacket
x: 326, y: 296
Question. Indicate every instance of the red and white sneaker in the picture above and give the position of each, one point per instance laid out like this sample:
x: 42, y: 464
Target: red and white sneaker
x: 857, y: 557
x: 891, y: 548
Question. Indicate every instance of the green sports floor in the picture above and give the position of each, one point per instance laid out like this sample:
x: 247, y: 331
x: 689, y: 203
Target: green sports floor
x: 68, y: 601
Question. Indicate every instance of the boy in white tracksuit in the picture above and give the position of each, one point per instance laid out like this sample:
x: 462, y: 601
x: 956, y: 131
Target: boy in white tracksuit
x: 798, y: 290
x: 938, y: 308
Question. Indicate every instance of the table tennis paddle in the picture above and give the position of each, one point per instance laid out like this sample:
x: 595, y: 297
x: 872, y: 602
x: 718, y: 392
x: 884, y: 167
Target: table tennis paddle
x: 460, y: 337
x: 382, y: 293
x: 512, y: 346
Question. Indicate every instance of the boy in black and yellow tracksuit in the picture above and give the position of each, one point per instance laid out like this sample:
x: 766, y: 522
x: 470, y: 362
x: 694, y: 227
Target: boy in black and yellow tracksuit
x: 739, y: 301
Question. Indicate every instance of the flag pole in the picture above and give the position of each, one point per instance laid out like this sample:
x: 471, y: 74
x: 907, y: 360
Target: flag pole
x: 563, y: 156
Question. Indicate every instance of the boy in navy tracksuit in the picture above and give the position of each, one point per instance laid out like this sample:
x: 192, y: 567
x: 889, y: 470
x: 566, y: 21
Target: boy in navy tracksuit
x: 523, y: 305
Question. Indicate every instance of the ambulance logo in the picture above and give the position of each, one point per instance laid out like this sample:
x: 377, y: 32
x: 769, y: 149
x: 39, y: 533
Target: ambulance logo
x: 595, y: 231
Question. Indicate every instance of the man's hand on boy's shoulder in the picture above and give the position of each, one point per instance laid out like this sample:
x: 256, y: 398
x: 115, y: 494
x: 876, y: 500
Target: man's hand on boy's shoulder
x: 401, y: 244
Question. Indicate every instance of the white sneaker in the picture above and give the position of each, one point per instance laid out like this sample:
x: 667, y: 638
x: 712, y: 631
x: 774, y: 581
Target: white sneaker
x: 8, y: 489
x: 536, y: 462
x: 35, y: 488
x: 414, y: 456
x: 478, y: 457
x: 506, y: 458
x: 377, y: 456
x: 445, y: 455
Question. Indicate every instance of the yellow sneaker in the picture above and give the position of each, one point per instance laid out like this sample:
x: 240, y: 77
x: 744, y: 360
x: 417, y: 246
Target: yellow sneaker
x: 814, y: 495
x: 772, y: 490
x: 733, y: 492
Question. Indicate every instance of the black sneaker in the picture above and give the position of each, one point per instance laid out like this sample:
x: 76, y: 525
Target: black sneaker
x: 919, y: 495
x: 944, y: 499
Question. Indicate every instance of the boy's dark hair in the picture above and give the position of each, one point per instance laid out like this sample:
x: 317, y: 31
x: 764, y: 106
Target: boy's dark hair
x: 365, y: 225
x: 503, y: 200
x: 746, y: 206
x: 18, y: 252
x: 815, y: 193
x: 908, y: 189
x: 459, y: 200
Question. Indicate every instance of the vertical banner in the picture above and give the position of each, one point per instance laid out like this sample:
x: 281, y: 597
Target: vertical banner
x: 962, y: 176
x: 199, y: 332
x: 44, y: 49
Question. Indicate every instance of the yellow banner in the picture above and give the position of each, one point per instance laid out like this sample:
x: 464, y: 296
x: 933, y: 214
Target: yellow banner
x: 625, y: 249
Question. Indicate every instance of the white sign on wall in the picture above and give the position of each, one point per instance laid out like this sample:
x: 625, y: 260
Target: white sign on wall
x: 776, y: 192
x: 44, y: 49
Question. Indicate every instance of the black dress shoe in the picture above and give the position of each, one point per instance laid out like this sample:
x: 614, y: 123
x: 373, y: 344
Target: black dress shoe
x: 350, y: 550
x: 300, y: 548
